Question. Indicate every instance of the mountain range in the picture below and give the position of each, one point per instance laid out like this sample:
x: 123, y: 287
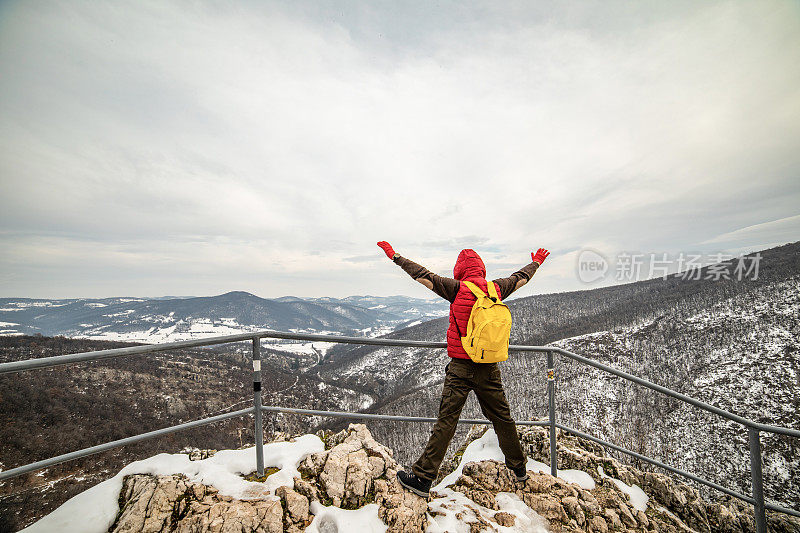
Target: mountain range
x: 182, y: 318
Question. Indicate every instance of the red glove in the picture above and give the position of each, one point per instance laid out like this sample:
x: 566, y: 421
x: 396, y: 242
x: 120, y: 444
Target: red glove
x: 387, y: 248
x: 540, y: 255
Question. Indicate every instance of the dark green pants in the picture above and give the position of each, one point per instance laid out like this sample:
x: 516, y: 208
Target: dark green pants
x: 462, y: 376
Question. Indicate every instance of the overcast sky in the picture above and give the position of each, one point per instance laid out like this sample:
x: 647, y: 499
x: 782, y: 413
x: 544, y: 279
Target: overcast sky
x: 192, y: 148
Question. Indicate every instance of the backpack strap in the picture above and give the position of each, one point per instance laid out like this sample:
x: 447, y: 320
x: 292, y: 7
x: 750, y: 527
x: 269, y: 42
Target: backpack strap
x: 455, y: 321
x: 492, y: 291
x: 475, y: 290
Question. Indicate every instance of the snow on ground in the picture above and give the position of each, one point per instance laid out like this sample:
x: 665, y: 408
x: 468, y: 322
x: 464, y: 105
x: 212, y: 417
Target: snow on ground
x: 199, y: 329
x: 17, y: 306
x: 120, y: 313
x: 9, y: 332
x: 579, y: 477
x: 331, y: 519
x: 454, y: 512
x: 488, y: 448
x: 377, y: 331
x: 299, y: 347
x: 94, y: 510
x: 526, y: 518
x: 638, y: 497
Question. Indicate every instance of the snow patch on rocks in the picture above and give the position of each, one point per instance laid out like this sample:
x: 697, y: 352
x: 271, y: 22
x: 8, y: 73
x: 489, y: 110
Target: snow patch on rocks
x: 347, y: 482
x: 95, y: 510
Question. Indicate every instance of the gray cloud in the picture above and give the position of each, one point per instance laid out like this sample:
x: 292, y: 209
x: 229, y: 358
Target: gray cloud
x: 363, y: 258
x: 150, y: 147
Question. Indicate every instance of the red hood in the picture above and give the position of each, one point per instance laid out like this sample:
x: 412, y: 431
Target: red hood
x: 469, y: 265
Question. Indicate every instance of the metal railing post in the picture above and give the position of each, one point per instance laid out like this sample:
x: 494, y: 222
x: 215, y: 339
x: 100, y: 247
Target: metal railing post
x: 257, y: 403
x: 758, y: 480
x: 551, y: 396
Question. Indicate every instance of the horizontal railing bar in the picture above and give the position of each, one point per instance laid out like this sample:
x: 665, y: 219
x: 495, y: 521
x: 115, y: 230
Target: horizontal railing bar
x: 677, y: 395
x: 659, y: 464
x: 118, y: 443
x: 341, y: 414
x: 58, y: 360
x: 776, y: 429
x: 189, y: 425
x: 770, y: 506
x: 45, y: 362
x: 371, y: 341
x: 396, y: 418
x: 778, y: 508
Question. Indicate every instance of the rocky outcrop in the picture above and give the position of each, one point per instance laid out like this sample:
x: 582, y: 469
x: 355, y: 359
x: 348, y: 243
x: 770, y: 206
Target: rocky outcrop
x: 354, y: 470
x: 672, y: 506
x: 150, y: 504
x: 296, y: 510
x: 566, y: 506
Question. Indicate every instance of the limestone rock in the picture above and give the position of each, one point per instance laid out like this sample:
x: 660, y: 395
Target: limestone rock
x: 598, y: 525
x: 307, y: 489
x: 680, y: 500
x: 504, y: 519
x: 400, y: 509
x: 346, y: 472
x: 296, y: 516
x: 613, y: 520
x: 171, y: 503
x: 357, y: 470
x: 196, y: 454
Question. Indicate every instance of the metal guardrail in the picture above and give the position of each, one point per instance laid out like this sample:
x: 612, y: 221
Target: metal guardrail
x: 753, y: 428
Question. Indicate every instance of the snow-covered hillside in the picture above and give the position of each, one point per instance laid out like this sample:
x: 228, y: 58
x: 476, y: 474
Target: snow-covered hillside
x: 741, y: 355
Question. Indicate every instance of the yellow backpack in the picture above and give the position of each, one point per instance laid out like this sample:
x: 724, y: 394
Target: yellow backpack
x: 488, y: 326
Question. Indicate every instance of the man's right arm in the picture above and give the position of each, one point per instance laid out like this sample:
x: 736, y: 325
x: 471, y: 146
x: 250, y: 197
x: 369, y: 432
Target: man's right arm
x: 447, y: 288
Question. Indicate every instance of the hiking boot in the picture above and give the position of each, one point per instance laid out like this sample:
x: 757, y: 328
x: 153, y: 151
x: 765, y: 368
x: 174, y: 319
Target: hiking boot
x: 415, y: 484
x: 521, y: 474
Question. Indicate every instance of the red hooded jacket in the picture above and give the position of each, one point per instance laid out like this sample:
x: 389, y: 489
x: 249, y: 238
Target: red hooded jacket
x: 469, y: 266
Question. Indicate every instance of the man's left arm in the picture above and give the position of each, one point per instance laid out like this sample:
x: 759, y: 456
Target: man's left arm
x: 522, y: 276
